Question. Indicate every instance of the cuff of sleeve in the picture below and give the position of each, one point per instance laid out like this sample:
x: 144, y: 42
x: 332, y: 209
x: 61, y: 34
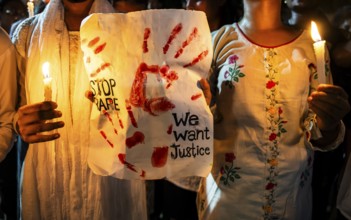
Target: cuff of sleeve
x: 14, y: 122
x: 339, y: 139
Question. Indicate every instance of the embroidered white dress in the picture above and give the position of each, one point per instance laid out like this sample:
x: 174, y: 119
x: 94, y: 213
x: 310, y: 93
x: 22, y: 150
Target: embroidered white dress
x: 57, y: 181
x: 263, y: 157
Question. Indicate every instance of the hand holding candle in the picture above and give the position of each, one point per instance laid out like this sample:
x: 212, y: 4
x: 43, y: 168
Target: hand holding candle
x: 47, y: 81
x: 319, y: 50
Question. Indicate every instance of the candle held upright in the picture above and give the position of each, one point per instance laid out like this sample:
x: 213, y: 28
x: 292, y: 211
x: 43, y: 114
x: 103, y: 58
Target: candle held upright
x: 319, y: 47
x: 30, y: 8
x: 47, y: 81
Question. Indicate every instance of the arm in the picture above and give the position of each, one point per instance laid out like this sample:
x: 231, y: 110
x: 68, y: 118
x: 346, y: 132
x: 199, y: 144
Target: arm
x: 31, y: 120
x: 328, y: 105
x: 8, y: 94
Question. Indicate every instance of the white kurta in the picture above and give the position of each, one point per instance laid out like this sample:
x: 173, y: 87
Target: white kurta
x: 263, y: 157
x: 8, y: 92
x: 57, y: 182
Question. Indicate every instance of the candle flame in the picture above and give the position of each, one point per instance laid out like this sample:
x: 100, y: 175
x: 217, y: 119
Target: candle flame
x: 45, y: 70
x: 314, y: 32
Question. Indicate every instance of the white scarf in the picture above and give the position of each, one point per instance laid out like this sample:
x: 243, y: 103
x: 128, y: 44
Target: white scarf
x: 49, y: 41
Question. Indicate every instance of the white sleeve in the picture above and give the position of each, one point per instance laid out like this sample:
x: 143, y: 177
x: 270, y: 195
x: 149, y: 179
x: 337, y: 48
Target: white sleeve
x: 8, y: 96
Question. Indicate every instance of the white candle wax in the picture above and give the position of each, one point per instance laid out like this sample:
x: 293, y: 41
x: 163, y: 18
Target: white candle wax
x: 30, y: 8
x: 319, y: 47
x: 47, y: 82
x: 319, y: 50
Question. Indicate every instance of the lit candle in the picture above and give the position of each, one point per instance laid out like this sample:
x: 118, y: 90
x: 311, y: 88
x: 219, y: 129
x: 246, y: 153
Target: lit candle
x: 319, y: 50
x: 30, y: 8
x: 47, y: 81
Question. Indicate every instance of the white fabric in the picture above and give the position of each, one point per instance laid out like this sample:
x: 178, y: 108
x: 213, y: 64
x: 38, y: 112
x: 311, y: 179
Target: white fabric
x: 344, y: 194
x: 263, y: 157
x: 57, y: 183
x: 8, y: 93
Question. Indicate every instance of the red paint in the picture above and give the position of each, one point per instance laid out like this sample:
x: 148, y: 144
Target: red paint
x: 163, y: 70
x: 105, y: 65
x: 170, y: 76
x: 130, y: 114
x: 176, y: 30
x: 143, y: 173
x: 170, y: 129
x: 155, y: 106
x: 201, y: 56
x: 122, y: 159
x: 120, y: 123
x: 105, y: 137
x: 137, y: 138
x: 107, y: 115
x: 138, y: 99
x: 93, y: 41
x: 159, y: 156
x: 103, y: 134
x: 186, y: 42
x: 147, y: 32
x: 137, y: 95
x: 110, y: 119
x: 102, y: 67
x: 100, y: 48
x: 119, y: 120
x: 196, y: 96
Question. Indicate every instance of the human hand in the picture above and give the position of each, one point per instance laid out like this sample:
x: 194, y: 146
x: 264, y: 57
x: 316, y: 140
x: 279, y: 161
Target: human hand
x: 330, y: 103
x: 205, y: 86
x: 33, y: 120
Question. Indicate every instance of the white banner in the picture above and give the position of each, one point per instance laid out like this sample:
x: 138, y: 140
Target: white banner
x: 150, y: 119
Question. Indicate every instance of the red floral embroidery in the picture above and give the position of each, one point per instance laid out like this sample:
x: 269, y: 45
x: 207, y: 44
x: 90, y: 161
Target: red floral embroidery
x: 270, y: 186
x: 229, y: 172
x: 233, y: 72
x: 229, y: 157
x: 272, y: 137
x: 233, y: 59
x: 276, y: 122
x: 270, y: 84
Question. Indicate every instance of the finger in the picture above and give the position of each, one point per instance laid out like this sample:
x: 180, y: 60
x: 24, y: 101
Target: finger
x: 338, y: 110
x: 329, y: 101
x: 323, y: 113
x: 40, y: 127
x: 329, y: 113
x: 36, y: 138
x: 89, y: 95
x: 42, y: 106
x: 332, y: 89
x: 38, y: 117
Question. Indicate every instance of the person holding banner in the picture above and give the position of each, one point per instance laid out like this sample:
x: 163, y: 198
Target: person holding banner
x: 57, y: 182
x: 270, y: 114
